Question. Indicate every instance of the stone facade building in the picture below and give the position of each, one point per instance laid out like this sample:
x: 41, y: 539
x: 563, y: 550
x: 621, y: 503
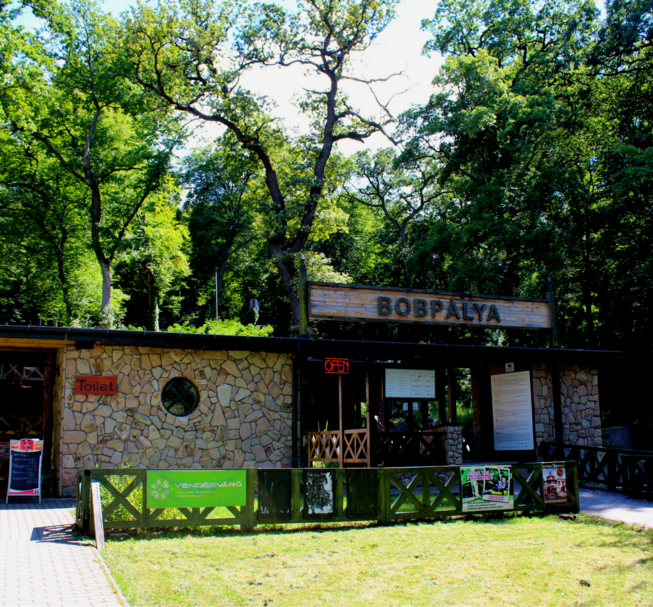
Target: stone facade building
x: 204, y: 401
x: 243, y: 418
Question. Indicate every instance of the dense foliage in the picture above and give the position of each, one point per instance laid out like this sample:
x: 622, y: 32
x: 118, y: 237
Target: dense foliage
x: 533, y: 158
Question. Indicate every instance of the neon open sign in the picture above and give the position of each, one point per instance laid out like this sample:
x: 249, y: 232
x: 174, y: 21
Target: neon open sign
x: 336, y: 366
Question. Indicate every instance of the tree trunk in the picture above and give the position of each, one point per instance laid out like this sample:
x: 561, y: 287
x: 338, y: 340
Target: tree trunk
x: 152, y: 303
x: 65, y: 287
x: 106, y: 319
x: 287, y: 274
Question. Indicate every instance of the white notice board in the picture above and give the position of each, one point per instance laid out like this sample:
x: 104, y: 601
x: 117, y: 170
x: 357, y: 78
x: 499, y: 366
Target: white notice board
x: 409, y: 383
x: 512, y: 411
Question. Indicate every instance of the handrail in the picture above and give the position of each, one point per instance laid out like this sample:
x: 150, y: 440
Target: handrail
x: 623, y: 470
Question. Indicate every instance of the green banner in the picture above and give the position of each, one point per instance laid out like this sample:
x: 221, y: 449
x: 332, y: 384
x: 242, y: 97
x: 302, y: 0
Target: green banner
x: 196, y: 488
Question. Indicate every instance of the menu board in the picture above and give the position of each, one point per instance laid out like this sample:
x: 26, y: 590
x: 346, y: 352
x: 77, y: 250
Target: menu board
x: 25, y: 468
x: 512, y: 411
x: 409, y: 383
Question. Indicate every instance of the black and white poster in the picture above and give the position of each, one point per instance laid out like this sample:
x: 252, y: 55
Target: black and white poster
x: 512, y: 411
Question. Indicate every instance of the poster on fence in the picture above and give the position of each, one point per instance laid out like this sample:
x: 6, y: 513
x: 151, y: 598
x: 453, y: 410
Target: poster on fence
x: 196, y: 488
x: 487, y: 488
x: 555, y: 485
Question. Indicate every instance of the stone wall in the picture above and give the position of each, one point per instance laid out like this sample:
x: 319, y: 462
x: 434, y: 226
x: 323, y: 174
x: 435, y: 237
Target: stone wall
x: 243, y: 419
x: 581, y: 414
x: 579, y: 396
x: 452, y: 442
x: 542, y: 403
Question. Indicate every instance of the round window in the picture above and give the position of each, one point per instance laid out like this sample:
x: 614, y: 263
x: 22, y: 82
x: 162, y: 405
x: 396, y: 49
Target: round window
x: 180, y: 397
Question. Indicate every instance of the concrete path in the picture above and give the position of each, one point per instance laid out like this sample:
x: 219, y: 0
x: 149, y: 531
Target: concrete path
x: 42, y: 563
x: 616, y: 507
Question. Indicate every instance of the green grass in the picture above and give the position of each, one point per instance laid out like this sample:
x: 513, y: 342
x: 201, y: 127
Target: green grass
x: 510, y: 560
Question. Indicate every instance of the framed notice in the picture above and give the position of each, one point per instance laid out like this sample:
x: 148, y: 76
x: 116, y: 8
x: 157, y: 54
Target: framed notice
x: 409, y: 383
x: 512, y: 412
x: 25, y: 458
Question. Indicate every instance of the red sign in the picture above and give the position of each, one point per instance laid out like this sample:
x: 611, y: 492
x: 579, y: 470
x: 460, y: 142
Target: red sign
x: 336, y: 366
x: 96, y: 384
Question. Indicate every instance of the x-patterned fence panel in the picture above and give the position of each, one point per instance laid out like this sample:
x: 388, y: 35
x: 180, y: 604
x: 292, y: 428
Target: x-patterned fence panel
x: 328, y: 495
x: 620, y: 469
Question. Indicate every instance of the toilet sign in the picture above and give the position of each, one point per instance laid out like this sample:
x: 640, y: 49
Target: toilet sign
x: 96, y: 384
x: 25, y: 457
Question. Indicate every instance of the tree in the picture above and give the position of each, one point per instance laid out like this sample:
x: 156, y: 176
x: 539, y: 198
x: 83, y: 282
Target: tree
x: 42, y: 209
x: 192, y: 56
x: 404, y: 191
x: 88, y: 118
x: 223, y: 208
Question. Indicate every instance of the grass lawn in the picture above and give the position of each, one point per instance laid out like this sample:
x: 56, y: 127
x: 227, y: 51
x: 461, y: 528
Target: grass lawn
x: 513, y: 560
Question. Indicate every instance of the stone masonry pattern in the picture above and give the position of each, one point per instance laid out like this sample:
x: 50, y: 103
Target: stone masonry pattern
x: 581, y: 414
x: 579, y: 395
x: 243, y: 419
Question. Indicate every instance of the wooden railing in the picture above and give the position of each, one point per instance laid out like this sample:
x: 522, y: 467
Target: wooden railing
x: 301, y: 495
x: 21, y: 426
x: 619, y: 469
x: 409, y: 449
x: 327, y: 446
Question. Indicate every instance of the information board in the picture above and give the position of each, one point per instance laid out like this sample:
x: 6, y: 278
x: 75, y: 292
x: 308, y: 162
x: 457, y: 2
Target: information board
x: 512, y: 411
x: 409, y: 383
x: 25, y: 458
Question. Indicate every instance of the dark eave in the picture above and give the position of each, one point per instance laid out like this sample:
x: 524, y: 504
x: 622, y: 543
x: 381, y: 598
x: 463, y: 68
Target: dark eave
x: 453, y: 354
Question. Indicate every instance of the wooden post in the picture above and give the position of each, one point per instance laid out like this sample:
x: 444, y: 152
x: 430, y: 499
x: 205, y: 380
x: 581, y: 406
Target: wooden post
x: 86, y: 501
x: 451, y: 381
x: 557, y: 404
x: 303, y: 298
x: 98, y: 523
x: 367, y: 423
x: 341, y: 430
x: 410, y: 417
x: 249, y: 514
x: 441, y: 393
x: 550, y: 295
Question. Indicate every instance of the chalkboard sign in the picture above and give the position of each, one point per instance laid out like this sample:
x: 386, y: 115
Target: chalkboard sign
x: 25, y: 458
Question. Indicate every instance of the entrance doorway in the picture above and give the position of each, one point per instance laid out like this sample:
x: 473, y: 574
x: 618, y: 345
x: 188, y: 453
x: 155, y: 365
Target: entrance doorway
x: 25, y: 403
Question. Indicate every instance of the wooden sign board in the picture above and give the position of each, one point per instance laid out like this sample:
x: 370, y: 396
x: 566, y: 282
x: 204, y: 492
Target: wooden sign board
x: 354, y: 302
x: 96, y: 384
x: 25, y: 457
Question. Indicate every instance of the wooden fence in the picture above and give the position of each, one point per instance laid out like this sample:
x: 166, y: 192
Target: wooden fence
x: 618, y: 469
x: 281, y: 496
x: 327, y: 446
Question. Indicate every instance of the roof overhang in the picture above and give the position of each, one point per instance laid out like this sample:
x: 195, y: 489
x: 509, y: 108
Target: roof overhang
x: 31, y: 337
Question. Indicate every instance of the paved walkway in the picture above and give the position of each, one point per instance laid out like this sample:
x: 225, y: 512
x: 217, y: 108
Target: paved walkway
x: 42, y: 563
x: 616, y: 507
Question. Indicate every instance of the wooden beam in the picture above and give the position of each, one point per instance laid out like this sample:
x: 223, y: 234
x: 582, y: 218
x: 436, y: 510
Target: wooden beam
x: 19, y: 343
x: 341, y: 430
x: 451, y: 376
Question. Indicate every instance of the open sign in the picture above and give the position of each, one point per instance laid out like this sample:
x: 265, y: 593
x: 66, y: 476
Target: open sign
x: 336, y: 366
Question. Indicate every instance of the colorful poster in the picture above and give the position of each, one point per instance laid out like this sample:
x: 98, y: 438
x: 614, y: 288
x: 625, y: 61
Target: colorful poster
x: 487, y: 488
x: 196, y: 488
x: 555, y: 485
x: 25, y: 457
x: 409, y: 383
